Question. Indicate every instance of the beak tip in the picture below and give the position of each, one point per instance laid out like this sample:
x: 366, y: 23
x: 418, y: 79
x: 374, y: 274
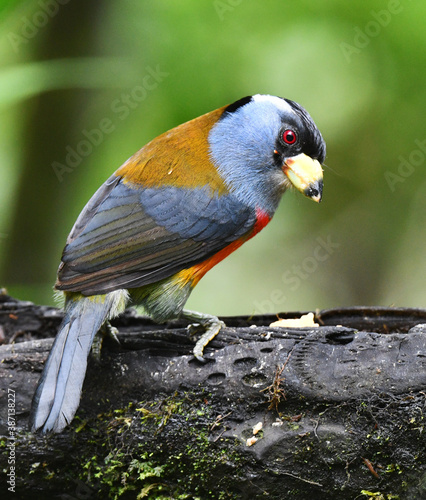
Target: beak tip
x: 314, y: 191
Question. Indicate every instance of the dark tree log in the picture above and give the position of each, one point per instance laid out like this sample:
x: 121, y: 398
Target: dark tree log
x: 341, y: 408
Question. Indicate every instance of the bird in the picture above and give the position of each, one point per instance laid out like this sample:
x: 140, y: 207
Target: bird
x: 170, y: 213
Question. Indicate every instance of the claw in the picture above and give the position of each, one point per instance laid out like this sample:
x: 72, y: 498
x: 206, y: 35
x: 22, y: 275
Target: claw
x: 106, y: 330
x: 212, y: 326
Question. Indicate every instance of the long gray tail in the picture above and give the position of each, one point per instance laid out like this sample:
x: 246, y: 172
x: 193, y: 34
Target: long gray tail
x: 58, y: 392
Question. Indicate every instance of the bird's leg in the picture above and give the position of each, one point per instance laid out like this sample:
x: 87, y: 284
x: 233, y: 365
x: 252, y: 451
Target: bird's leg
x: 212, y: 326
x: 106, y: 330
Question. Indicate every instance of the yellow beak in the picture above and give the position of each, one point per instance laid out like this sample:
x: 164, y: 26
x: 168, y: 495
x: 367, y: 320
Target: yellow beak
x: 305, y: 174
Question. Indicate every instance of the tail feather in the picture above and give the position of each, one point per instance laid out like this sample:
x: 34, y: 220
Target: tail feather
x: 58, y: 393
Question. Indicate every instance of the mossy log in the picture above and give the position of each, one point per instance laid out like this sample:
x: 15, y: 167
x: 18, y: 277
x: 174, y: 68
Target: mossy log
x: 334, y: 412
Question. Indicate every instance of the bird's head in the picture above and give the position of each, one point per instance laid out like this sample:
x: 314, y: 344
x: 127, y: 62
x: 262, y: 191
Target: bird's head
x: 262, y: 145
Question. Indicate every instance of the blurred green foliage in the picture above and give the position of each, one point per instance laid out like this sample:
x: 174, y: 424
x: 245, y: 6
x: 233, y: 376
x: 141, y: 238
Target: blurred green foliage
x: 75, y: 92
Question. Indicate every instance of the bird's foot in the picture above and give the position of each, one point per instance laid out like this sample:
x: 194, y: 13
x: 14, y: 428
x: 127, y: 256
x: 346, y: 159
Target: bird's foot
x: 106, y: 330
x: 211, y: 326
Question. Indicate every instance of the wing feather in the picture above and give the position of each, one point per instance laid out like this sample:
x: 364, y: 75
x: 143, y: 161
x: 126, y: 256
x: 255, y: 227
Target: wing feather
x: 129, y: 236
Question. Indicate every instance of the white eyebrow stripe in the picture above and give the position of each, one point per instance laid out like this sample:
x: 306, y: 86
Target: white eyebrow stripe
x: 277, y: 101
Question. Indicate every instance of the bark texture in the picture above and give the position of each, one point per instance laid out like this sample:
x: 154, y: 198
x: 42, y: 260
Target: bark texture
x: 330, y: 413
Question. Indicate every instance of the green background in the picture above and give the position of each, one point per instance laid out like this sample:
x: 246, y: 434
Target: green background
x: 69, y: 67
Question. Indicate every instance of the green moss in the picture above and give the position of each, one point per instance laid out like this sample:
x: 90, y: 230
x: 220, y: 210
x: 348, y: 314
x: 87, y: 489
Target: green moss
x: 141, y: 470
x: 122, y: 476
x: 377, y: 495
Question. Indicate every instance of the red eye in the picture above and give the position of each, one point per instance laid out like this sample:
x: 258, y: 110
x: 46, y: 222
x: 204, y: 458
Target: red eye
x: 289, y: 137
